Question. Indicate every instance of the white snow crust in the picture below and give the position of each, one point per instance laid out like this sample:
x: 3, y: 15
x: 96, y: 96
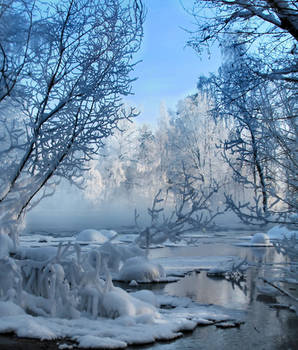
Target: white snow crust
x: 98, y: 236
x: 166, y: 324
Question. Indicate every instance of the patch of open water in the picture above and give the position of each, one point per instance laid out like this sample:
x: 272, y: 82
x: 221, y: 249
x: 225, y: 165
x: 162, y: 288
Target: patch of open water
x: 264, y: 328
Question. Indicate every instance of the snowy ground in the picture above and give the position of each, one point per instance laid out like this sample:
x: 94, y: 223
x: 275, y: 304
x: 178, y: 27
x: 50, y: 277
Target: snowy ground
x: 176, y: 316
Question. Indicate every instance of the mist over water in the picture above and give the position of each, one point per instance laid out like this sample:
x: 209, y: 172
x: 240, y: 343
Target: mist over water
x: 70, y: 210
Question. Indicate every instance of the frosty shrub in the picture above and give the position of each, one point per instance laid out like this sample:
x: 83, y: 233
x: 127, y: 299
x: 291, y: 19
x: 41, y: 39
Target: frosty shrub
x: 67, y: 284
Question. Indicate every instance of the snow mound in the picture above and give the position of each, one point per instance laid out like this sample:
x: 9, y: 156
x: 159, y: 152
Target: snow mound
x: 118, y: 302
x: 280, y: 232
x: 260, y: 239
x: 99, y: 236
x: 141, y: 270
x: 124, y: 331
x: 93, y: 342
x: 8, y: 308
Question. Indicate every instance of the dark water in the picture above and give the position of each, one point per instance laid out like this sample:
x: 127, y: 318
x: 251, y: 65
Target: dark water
x: 264, y: 328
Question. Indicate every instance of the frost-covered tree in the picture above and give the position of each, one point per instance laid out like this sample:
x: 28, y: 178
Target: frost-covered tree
x: 63, y: 69
x: 260, y: 147
x: 256, y: 92
x: 127, y: 166
x: 268, y: 27
x: 139, y: 161
x: 194, y: 137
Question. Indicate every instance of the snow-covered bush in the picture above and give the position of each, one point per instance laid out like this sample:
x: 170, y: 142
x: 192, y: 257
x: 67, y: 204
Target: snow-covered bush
x: 68, y: 283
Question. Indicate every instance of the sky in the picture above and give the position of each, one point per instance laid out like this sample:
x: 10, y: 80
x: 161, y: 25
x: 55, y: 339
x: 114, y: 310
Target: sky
x: 169, y: 70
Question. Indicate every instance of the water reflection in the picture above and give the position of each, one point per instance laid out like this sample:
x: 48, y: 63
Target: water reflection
x: 206, y: 290
x: 264, y: 328
x: 259, y: 253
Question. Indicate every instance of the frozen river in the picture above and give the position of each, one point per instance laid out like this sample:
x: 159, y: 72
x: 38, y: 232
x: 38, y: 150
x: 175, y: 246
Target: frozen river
x: 265, y: 326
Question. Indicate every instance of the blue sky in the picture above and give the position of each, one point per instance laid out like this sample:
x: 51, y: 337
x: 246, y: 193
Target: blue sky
x: 169, y: 70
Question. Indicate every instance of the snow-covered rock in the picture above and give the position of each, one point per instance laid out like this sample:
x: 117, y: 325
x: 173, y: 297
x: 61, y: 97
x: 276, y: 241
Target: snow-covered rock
x: 260, y: 239
x: 142, y: 270
x: 99, y: 236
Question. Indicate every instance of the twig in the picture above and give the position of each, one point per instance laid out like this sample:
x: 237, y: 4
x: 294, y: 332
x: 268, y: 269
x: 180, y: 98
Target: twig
x: 280, y: 289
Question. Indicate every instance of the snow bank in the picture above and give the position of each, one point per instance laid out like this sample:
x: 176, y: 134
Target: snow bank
x: 117, y: 302
x: 280, y: 232
x: 93, y: 342
x: 181, y: 315
x: 99, y: 236
x: 141, y: 269
x: 8, y: 308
